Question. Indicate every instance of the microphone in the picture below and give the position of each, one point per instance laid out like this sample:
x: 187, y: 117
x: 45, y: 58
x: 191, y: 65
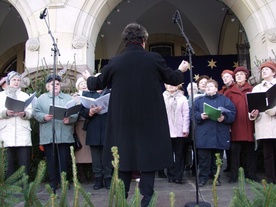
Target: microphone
x: 175, y: 17
x: 43, y: 14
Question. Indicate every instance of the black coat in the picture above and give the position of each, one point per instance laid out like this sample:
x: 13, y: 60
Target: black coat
x: 137, y: 120
x: 95, y: 125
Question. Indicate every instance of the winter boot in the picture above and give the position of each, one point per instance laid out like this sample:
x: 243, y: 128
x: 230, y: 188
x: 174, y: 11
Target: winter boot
x: 98, y: 183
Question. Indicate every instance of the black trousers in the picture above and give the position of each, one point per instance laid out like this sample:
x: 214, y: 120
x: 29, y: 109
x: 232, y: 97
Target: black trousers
x: 244, y: 155
x: 146, y: 184
x: 176, y: 171
x: 207, y: 163
x: 23, y: 157
x: 57, y: 161
x: 99, y: 169
x: 269, y: 150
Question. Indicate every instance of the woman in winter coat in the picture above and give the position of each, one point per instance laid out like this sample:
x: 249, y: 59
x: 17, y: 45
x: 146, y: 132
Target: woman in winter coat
x: 95, y: 125
x: 212, y: 136
x: 15, y: 129
x: 179, y: 122
x: 58, y: 159
x: 228, y: 80
x: 83, y: 156
x: 265, y: 122
x: 242, y: 129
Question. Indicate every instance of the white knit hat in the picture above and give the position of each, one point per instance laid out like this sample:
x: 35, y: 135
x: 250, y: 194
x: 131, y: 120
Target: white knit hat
x: 10, y: 75
x: 81, y: 79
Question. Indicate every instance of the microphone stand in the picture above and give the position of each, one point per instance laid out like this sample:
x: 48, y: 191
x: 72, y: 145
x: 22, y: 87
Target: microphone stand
x: 178, y: 21
x: 56, y: 54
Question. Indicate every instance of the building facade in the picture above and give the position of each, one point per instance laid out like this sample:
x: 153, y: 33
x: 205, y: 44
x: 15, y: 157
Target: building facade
x: 86, y: 30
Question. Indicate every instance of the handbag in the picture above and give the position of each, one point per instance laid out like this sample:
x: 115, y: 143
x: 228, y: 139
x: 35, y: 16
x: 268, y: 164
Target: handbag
x: 77, y: 144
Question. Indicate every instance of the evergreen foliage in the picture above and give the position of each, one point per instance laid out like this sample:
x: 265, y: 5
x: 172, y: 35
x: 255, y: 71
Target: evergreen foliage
x: 264, y: 193
x: 30, y: 190
x: 172, y: 199
x: 117, y: 188
x: 219, y: 164
x: 11, y: 187
x: 17, y: 189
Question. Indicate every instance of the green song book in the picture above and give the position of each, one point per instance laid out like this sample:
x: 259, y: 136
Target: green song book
x: 212, y: 112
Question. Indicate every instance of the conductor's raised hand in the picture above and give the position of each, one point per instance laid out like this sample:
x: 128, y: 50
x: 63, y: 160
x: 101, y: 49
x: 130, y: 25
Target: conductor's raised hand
x: 86, y: 74
x: 184, y: 65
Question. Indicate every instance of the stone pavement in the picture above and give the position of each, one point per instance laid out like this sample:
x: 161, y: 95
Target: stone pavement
x: 184, y: 193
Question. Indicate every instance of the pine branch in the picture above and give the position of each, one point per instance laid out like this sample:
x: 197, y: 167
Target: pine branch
x: 172, y: 199
x: 153, y: 200
x: 77, y: 186
x: 30, y: 196
x: 218, y: 163
x: 136, y: 198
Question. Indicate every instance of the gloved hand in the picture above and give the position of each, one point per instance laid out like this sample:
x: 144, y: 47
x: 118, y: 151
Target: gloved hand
x: 270, y: 112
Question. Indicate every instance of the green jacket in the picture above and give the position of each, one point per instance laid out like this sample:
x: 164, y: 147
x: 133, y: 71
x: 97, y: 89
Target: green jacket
x: 63, y: 132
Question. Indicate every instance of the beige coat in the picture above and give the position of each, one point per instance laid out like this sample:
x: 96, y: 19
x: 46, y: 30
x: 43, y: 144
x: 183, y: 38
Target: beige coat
x: 84, y: 154
x: 265, y: 124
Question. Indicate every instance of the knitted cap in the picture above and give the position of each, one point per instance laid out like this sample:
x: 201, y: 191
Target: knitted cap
x: 269, y: 64
x: 10, y: 75
x: 243, y: 69
x: 81, y: 79
x: 227, y: 71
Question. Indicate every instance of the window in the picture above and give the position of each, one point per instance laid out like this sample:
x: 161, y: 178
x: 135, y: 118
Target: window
x: 164, y: 49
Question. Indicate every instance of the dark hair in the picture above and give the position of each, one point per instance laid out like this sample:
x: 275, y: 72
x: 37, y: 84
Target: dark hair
x: 202, y: 77
x: 134, y: 33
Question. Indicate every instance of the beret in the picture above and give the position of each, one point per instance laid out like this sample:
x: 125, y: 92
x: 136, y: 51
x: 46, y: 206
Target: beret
x: 227, y: 71
x: 241, y: 69
x: 269, y: 64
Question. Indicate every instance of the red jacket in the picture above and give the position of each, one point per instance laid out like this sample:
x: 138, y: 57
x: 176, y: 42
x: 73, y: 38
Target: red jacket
x: 242, y: 128
x: 225, y: 88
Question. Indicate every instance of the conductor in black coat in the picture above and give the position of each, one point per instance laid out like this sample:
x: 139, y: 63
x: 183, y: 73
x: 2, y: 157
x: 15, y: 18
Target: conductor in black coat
x: 137, y: 121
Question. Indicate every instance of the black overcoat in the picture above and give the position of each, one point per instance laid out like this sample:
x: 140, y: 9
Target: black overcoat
x: 137, y: 120
x: 95, y: 126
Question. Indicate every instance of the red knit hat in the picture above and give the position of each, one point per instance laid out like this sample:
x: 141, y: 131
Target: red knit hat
x: 243, y: 69
x: 227, y: 71
x: 269, y: 64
